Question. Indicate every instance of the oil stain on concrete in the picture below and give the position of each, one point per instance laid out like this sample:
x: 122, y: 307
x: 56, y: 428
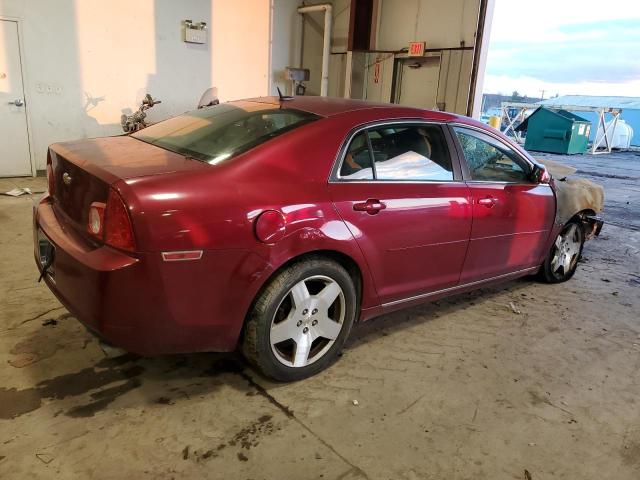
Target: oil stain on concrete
x: 14, y: 402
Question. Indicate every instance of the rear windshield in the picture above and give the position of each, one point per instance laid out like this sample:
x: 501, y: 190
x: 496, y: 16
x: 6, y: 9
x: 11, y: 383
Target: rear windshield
x: 217, y: 133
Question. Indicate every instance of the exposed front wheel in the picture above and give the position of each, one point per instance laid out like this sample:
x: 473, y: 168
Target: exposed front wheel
x: 562, y: 260
x: 301, y: 320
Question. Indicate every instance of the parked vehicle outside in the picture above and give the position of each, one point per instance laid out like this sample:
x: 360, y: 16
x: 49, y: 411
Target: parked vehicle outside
x: 275, y: 225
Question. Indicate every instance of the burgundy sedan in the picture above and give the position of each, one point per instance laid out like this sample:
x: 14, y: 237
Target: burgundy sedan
x: 275, y: 225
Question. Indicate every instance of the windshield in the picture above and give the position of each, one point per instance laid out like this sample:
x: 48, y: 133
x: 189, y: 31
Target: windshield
x: 217, y: 133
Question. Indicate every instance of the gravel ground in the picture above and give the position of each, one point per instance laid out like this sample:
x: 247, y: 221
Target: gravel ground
x: 520, y: 381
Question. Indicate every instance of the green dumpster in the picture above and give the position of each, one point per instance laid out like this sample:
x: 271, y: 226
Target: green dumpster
x: 555, y: 131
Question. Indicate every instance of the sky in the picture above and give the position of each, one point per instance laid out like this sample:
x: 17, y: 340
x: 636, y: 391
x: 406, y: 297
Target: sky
x: 565, y: 47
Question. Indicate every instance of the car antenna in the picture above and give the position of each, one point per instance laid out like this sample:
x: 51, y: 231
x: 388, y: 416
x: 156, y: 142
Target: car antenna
x: 283, y: 98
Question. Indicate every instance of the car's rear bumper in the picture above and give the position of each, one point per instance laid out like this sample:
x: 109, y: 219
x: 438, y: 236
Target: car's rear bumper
x: 143, y: 304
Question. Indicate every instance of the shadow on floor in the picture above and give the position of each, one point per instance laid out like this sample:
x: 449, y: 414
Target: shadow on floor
x: 173, y: 378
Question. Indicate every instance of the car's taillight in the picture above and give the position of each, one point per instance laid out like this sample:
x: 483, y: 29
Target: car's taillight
x: 50, y: 180
x: 95, y: 225
x: 118, y: 231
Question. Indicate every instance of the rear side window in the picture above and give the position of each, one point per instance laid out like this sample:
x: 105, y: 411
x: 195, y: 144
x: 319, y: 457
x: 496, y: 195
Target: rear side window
x: 217, y: 133
x: 357, y: 161
x: 411, y: 153
x: 491, y: 160
x: 400, y: 153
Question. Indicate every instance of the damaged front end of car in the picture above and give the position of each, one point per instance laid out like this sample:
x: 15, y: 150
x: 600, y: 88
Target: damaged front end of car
x: 577, y: 198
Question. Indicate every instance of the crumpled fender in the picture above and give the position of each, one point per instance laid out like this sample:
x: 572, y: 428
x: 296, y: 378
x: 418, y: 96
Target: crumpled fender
x: 575, y: 194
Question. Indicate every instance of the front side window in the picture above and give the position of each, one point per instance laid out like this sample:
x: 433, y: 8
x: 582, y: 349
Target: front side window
x: 400, y: 153
x: 217, y: 133
x: 489, y: 159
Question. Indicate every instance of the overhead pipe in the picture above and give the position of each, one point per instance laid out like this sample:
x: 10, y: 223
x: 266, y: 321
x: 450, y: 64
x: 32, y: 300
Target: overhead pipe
x: 326, y: 43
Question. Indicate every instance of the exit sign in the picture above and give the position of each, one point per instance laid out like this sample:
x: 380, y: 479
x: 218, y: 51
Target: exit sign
x: 416, y: 49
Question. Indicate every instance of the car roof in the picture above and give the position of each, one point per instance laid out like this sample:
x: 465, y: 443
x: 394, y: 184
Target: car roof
x: 331, y: 106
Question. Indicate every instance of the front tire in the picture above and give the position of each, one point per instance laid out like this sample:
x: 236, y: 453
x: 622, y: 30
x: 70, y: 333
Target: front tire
x: 300, y: 321
x: 562, y: 260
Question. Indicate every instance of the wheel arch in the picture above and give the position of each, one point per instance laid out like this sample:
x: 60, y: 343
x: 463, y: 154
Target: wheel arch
x: 579, y: 216
x: 589, y: 221
x: 341, y: 258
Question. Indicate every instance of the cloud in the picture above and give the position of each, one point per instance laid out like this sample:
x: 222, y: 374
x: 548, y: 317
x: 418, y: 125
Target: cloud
x: 532, y: 87
x: 574, y: 49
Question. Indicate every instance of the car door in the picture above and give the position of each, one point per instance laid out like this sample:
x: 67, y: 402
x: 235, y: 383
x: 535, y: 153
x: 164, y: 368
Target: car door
x: 512, y: 215
x: 401, y: 194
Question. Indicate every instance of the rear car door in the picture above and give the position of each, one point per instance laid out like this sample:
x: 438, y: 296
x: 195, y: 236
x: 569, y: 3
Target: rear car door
x: 401, y: 194
x: 512, y: 214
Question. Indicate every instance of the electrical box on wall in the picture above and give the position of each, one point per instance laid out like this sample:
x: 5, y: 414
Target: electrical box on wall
x: 195, y: 32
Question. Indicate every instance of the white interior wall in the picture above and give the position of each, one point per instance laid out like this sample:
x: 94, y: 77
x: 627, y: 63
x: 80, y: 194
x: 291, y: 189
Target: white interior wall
x: 240, y: 36
x: 285, y: 42
x: 312, y: 46
x: 88, y: 61
x: 379, y: 91
x: 337, y: 68
x: 440, y: 23
x: 455, y: 80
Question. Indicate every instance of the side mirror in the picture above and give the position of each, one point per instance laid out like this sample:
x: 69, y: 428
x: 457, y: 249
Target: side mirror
x: 540, y: 174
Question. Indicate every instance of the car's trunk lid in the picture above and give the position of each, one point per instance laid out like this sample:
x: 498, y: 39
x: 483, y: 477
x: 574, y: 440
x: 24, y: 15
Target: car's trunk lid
x: 84, y: 170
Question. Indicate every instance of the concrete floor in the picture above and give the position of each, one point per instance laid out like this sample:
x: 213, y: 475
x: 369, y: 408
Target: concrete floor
x: 466, y: 388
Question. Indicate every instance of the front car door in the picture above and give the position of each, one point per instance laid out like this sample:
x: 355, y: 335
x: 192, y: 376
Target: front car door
x: 512, y: 215
x: 401, y: 194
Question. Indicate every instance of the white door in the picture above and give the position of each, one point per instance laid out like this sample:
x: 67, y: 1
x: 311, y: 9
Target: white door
x: 14, y: 140
x: 418, y: 82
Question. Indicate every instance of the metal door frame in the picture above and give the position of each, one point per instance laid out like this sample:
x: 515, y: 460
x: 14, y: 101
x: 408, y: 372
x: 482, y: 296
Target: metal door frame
x: 18, y: 21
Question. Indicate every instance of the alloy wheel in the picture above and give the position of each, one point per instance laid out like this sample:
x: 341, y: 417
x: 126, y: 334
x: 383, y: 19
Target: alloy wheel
x: 308, y: 321
x: 567, y: 250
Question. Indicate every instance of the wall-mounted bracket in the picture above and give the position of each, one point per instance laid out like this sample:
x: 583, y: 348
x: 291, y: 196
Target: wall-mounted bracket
x: 195, y: 32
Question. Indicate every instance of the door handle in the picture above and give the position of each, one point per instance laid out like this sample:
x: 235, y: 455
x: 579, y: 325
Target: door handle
x: 17, y: 102
x: 488, y: 202
x: 371, y: 206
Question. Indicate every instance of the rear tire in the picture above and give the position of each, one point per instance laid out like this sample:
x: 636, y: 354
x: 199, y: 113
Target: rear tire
x: 562, y: 260
x: 300, y: 321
